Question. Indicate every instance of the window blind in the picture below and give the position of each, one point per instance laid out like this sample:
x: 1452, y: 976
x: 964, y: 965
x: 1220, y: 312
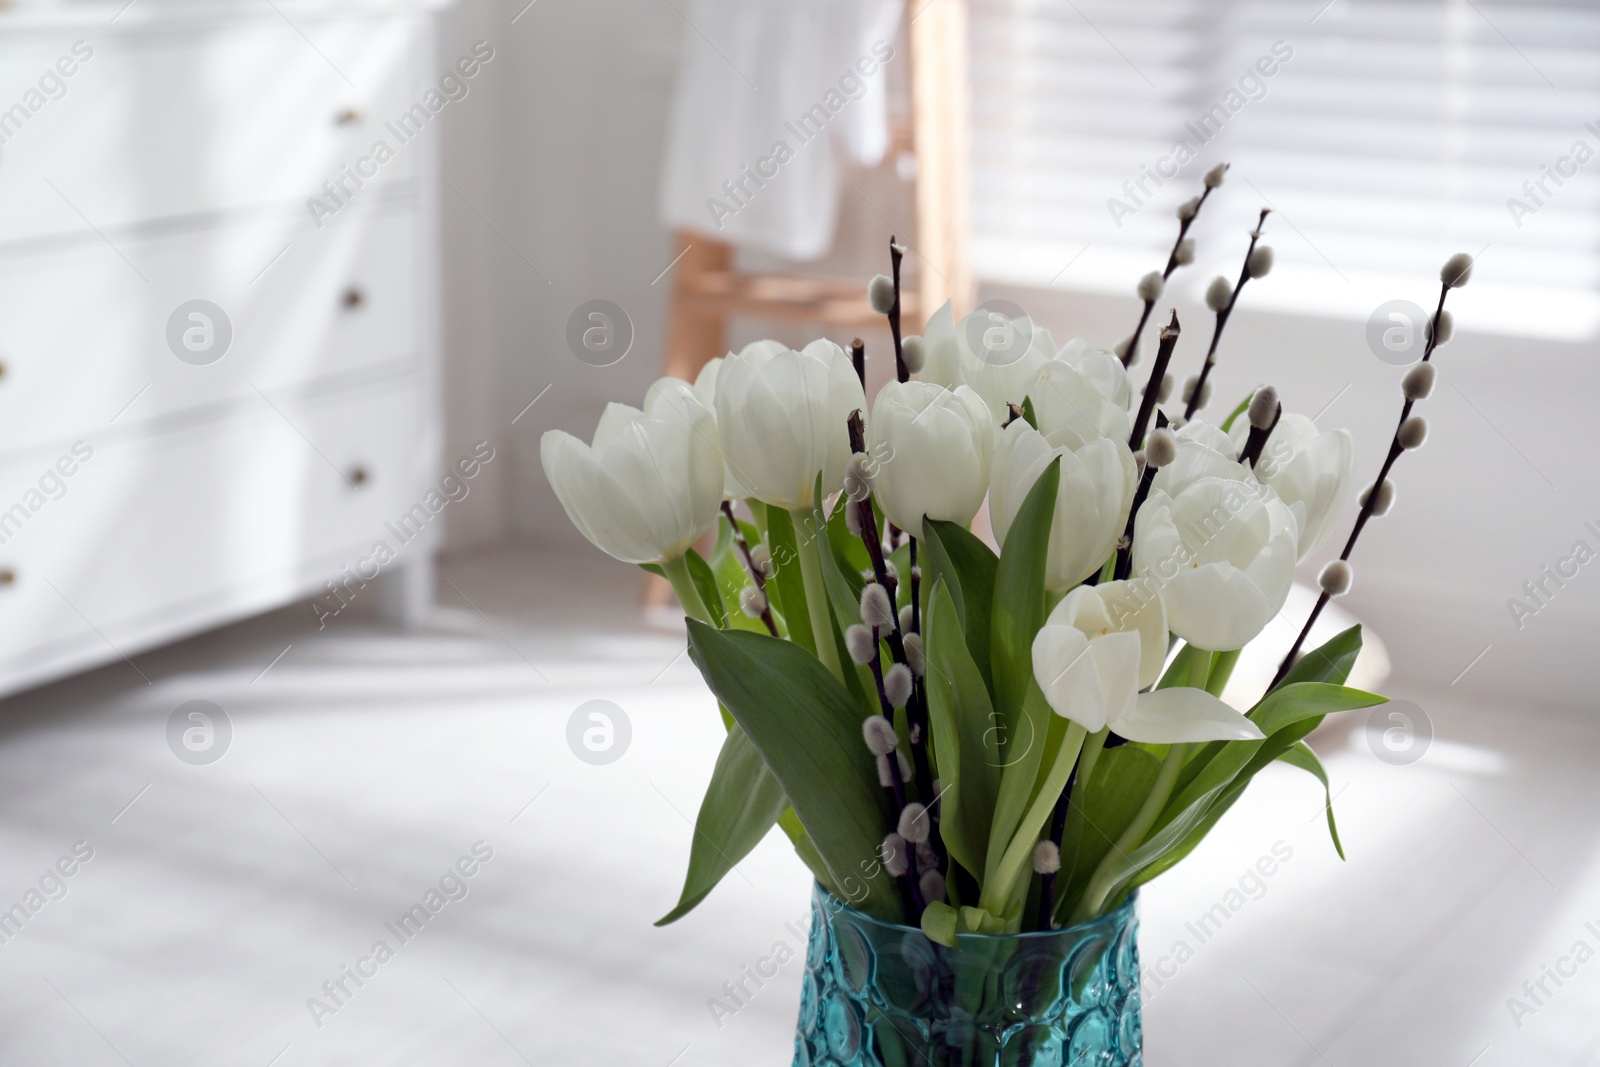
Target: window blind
x: 1386, y: 134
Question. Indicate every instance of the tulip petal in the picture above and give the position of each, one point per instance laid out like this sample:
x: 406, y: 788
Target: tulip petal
x: 1182, y: 714
x: 1068, y: 677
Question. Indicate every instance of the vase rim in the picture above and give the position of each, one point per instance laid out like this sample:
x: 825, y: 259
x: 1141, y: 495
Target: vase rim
x: 1117, y: 914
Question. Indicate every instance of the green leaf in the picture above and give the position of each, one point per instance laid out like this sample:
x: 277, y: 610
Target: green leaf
x: 1023, y: 757
x: 808, y: 730
x: 1286, y: 716
x: 962, y: 721
x: 1300, y: 755
x: 939, y: 923
x: 1027, y: 412
x: 967, y: 567
x: 741, y: 804
x: 1018, y: 603
x: 789, y: 823
x: 1281, y: 709
x: 1227, y: 423
x: 705, y: 582
x: 786, y: 587
x: 1331, y: 662
x: 1100, y: 811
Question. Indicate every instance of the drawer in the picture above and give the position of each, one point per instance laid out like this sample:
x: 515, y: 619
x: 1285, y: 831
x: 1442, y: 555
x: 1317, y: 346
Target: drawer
x: 82, y: 334
x: 151, y: 537
x: 155, y: 124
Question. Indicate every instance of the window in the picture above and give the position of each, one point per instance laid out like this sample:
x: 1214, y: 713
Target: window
x: 1386, y: 134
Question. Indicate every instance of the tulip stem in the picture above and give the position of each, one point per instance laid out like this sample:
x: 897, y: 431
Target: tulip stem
x: 999, y: 883
x: 677, y: 572
x: 1113, y: 868
x: 816, y: 593
x: 1083, y: 773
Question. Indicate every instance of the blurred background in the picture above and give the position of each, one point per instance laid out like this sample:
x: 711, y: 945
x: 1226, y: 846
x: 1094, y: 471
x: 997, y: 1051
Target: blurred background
x: 297, y: 637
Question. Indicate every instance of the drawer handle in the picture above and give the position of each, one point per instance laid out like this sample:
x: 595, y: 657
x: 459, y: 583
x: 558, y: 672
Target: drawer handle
x: 348, y: 117
x: 354, y: 297
x: 2, y: 368
x: 8, y: 576
x: 358, y: 476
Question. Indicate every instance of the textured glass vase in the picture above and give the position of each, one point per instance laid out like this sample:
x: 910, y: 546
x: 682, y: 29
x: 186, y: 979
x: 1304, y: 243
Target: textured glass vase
x: 878, y: 994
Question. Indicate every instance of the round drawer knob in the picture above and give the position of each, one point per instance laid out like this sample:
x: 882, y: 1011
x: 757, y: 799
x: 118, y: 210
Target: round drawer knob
x: 2, y: 368
x: 7, y: 576
x: 359, y: 476
x: 354, y: 297
x: 348, y: 117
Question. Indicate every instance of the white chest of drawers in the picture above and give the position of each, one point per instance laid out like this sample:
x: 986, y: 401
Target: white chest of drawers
x: 167, y: 465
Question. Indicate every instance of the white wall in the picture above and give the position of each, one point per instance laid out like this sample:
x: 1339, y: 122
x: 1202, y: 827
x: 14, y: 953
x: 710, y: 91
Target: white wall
x: 564, y: 157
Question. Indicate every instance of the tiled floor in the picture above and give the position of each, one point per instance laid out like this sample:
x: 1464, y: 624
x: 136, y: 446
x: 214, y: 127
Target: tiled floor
x: 219, y: 898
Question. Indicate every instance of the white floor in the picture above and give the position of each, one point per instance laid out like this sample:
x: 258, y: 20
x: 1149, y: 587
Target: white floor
x: 364, y: 762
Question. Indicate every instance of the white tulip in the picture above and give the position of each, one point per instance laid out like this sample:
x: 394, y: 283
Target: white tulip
x: 1222, y: 552
x: 649, y: 483
x: 1082, y: 394
x: 1312, y: 472
x: 783, y: 417
x: 1098, y: 480
x: 931, y: 448
x: 1204, y: 451
x: 705, y: 387
x: 942, y: 365
x: 1001, y: 357
x: 1100, y: 646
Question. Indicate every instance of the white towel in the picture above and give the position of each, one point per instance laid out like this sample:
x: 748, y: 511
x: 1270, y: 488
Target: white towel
x: 773, y: 97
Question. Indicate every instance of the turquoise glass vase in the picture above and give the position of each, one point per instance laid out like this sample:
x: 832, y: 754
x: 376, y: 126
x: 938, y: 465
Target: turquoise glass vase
x: 879, y: 994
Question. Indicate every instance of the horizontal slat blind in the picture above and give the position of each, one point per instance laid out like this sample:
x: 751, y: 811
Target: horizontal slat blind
x: 1393, y: 135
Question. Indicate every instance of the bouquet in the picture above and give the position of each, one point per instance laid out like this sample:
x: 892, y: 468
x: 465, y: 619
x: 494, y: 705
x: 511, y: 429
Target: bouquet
x: 959, y: 738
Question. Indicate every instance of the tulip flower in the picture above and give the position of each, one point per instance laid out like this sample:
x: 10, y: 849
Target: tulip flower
x: 1311, y: 471
x: 942, y: 362
x: 1223, y: 553
x: 931, y: 448
x: 1098, y: 479
x: 1001, y: 358
x: 1204, y: 451
x: 782, y: 417
x: 1100, y: 646
x: 1082, y: 394
x: 705, y: 387
x: 649, y: 483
